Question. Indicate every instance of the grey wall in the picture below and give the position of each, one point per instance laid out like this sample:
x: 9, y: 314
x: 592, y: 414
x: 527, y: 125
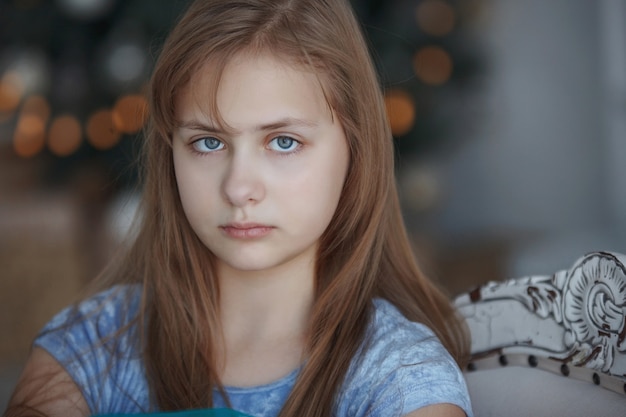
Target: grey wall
x: 544, y: 163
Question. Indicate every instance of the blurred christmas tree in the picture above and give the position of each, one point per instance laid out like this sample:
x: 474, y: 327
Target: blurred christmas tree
x: 426, y: 57
x: 72, y: 73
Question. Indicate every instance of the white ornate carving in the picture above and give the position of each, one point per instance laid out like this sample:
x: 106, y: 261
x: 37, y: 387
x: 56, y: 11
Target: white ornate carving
x: 594, y: 309
x: 576, y: 316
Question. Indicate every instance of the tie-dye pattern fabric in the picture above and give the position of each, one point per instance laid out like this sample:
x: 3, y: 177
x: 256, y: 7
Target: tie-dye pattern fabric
x: 400, y: 367
x: 212, y: 412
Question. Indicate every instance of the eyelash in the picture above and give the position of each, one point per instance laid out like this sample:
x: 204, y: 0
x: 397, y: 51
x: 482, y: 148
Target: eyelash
x: 202, y: 141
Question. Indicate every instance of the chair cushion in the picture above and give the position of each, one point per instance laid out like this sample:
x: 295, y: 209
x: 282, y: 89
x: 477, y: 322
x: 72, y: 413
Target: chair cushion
x: 516, y: 391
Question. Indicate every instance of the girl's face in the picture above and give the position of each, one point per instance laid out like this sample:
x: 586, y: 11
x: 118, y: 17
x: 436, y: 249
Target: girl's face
x: 260, y: 193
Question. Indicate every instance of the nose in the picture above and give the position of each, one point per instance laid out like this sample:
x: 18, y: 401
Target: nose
x: 242, y: 184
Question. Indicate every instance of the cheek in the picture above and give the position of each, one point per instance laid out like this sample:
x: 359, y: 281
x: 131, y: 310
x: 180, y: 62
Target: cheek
x: 183, y: 179
x: 194, y: 189
x: 316, y: 194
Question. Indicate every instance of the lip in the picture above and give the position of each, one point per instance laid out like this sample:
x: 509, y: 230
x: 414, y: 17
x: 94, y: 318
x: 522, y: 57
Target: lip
x: 246, y: 230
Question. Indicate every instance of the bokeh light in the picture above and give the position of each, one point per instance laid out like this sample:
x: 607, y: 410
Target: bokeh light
x: 435, y: 17
x: 433, y: 65
x: 32, y: 66
x: 86, y: 9
x: 129, y: 113
x: 11, y: 91
x: 101, y: 131
x: 421, y: 186
x: 30, y: 131
x: 122, y: 61
x: 400, y: 111
x: 65, y: 135
x: 126, y: 62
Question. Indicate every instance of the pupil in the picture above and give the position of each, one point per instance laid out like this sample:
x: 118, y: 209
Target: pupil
x: 284, y: 142
x: 212, y: 143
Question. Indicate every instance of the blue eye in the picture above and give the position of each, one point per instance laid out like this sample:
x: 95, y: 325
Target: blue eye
x: 283, y: 144
x: 206, y: 145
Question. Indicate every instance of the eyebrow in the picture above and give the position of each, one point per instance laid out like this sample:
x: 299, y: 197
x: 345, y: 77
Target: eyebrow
x: 278, y: 124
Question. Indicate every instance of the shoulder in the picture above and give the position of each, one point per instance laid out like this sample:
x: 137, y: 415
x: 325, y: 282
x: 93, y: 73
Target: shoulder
x: 388, y: 320
x: 401, y: 367
x: 393, y: 340
x: 112, y: 307
x: 96, y: 343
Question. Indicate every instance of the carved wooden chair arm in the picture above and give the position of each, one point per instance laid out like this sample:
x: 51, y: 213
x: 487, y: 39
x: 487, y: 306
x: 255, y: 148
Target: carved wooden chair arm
x: 572, y: 322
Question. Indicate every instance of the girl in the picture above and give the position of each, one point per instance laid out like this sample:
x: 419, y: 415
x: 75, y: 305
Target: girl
x: 271, y: 273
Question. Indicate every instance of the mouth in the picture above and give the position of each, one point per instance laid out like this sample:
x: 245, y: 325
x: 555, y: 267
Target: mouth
x: 246, y: 230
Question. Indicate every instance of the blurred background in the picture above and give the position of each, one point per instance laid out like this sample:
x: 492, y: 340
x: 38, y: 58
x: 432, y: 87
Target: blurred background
x: 509, y: 119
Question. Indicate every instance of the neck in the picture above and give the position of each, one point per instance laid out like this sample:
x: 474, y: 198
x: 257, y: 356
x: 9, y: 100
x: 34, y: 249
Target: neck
x: 265, y: 319
x: 266, y: 305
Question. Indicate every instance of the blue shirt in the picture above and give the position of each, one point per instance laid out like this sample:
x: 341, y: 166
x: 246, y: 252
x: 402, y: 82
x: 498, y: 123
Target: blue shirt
x: 401, y: 367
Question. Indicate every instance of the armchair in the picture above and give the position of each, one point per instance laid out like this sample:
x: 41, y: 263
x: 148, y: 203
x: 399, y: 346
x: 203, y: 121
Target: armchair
x: 550, y: 345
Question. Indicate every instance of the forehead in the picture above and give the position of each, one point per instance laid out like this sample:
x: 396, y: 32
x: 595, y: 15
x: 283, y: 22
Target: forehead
x: 262, y: 83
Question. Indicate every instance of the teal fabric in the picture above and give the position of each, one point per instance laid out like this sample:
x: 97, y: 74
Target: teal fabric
x: 212, y: 412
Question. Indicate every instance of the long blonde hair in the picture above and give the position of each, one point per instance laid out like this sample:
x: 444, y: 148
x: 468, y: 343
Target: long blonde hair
x: 364, y: 253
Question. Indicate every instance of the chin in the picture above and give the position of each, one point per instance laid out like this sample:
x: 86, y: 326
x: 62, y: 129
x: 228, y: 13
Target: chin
x: 248, y: 266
